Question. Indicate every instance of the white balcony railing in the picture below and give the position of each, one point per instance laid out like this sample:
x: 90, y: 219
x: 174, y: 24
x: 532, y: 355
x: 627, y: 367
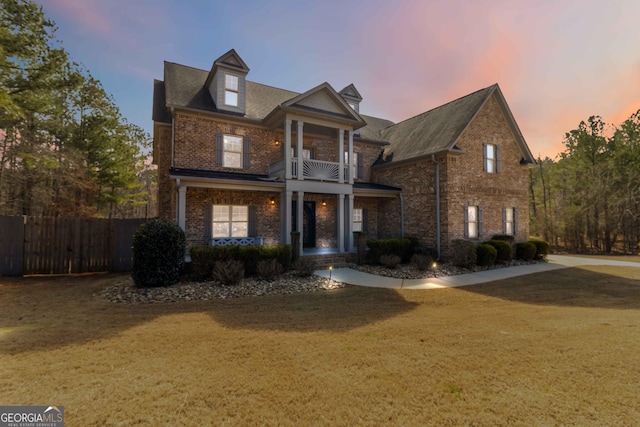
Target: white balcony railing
x: 318, y: 170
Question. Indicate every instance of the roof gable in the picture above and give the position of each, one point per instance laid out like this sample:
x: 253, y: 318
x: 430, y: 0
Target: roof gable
x: 323, y: 99
x: 229, y: 61
x: 351, y: 92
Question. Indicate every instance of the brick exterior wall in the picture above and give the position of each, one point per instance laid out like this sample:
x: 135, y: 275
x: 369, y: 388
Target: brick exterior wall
x: 166, y: 187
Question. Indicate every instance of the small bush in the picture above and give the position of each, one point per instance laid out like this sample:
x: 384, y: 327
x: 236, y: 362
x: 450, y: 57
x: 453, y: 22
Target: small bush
x: 390, y: 261
x: 203, y: 258
x: 464, y: 253
x: 304, y: 267
x: 542, y: 248
x: 158, y: 253
x: 404, y: 247
x: 269, y: 269
x: 432, y: 252
x: 228, y: 272
x: 486, y: 254
x: 422, y: 262
x: 504, y: 237
x: 525, y: 251
x: 503, y: 249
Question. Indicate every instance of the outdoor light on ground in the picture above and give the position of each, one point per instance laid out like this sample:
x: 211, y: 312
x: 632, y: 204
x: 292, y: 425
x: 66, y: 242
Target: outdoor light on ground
x: 330, y: 269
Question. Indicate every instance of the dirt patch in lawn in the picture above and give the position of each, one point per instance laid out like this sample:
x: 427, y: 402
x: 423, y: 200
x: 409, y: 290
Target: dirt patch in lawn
x: 552, y: 348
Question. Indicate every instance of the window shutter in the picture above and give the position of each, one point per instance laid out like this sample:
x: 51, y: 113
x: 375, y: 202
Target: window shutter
x: 360, y: 166
x: 498, y: 159
x: 365, y: 220
x: 484, y: 156
x: 246, y: 151
x: 515, y: 221
x: 466, y: 222
x: 208, y: 223
x: 504, y: 220
x: 479, y: 222
x: 252, y: 221
x: 219, y: 149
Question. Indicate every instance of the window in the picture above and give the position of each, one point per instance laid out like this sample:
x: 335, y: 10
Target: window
x: 509, y: 217
x: 306, y: 153
x: 357, y: 220
x: 231, y: 90
x: 355, y: 162
x: 472, y: 222
x: 490, y: 158
x: 230, y: 221
x: 232, y: 148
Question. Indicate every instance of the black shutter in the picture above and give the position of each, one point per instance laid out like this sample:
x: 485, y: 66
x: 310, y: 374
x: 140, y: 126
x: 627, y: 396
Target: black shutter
x: 515, y: 221
x: 504, y: 220
x: 479, y: 222
x: 219, y: 149
x: 365, y: 220
x: 498, y: 159
x: 360, y: 166
x: 252, y: 221
x: 466, y: 222
x: 484, y: 156
x: 208, y: 223
x: 246, y: 151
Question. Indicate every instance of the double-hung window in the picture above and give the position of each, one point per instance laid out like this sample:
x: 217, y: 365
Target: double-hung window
x: 230, y: 221
x: 354, y: 163
x: 491, y: 158
x: 357, y: 219
x: 472, y: 222
x: 232, y: 147
x: 509, y: 217
x: 231, y: 90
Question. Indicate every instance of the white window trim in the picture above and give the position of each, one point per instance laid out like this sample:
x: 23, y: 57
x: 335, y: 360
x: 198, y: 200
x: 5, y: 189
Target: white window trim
x: 225, y: 151
x: 512, y: 222
x: 491, y: 160
x: 358, y: 218
x: 229, y: 221
x: 476, y: 221
x: 230, y: 90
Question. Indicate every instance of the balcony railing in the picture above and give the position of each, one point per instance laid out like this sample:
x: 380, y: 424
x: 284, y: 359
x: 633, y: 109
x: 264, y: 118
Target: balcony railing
x: 317, y: 170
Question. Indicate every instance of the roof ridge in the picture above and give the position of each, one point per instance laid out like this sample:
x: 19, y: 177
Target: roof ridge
x: 442, y: 105
x: 185, y: 66
x: 274, y: 87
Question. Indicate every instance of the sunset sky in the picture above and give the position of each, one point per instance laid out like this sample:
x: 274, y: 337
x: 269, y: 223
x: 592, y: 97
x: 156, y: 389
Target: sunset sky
x: 557, y: 62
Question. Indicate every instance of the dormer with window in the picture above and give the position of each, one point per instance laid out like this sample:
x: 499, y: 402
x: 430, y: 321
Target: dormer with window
x: 227, y: 83
x: 352, y: 96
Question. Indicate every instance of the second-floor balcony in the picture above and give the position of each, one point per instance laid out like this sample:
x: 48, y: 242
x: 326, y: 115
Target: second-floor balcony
x: 311, y: 169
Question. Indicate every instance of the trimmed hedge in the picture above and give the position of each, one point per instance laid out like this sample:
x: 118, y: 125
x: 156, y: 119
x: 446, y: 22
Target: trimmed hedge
x: 486, y: 254
x: 464, y: 253
x: 505, y: 237
x: 503, y: 248
x: 203, y: 258
x: 158, y: 253
x: 404, y: 247
x: 542, y: 248
x: 526, y: 251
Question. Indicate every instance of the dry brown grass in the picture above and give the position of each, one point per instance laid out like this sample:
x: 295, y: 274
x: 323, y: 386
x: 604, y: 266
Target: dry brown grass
x: 547, y: 349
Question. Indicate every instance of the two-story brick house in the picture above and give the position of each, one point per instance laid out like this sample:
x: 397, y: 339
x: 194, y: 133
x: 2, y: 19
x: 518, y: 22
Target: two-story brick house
x: 242, y: 162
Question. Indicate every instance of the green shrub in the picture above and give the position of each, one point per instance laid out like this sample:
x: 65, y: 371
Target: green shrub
x: 203, y: 258
x: 404, y: 247
x: 390, y: 261
x: 505, y: 237
x: 525, y: 251
x: 464, y: 253
x: 503, y: 249
x: 269, y: 269
x: 421, y: 261
x: 486, y: 254
x: 158, y: 253
x: 304, y: 267
x: 228, y: 272
x: 542, y: 248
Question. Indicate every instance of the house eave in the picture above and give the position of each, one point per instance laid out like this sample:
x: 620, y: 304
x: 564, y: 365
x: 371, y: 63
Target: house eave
x: 227, y: 184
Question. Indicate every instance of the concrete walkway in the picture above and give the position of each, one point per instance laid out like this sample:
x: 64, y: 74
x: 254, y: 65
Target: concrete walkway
x: 556, y: 262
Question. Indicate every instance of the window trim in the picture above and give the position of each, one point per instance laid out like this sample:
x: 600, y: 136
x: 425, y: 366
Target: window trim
x: 241, y: 152
x: 231, y: 90
x: 361, y: 221
x: 513, y: 222
x: 229, y: 221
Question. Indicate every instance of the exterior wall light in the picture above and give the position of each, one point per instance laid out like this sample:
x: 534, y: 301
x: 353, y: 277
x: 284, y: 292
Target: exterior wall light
x: 272, y: 201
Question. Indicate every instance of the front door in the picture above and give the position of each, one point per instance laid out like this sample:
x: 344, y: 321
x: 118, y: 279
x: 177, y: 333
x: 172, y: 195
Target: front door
x: 308, y: 223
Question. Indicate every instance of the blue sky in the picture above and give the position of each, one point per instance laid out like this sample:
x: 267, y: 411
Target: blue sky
x: 557, y: 62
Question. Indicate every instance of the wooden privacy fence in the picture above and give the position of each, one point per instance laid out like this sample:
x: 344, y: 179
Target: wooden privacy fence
x: 41, y: 245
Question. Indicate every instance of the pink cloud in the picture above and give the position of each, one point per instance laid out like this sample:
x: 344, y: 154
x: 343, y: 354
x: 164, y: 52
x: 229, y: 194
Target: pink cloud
x: 87, y: 13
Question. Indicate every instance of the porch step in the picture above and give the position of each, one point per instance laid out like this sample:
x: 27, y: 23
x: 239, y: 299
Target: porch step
x: 331, y: 260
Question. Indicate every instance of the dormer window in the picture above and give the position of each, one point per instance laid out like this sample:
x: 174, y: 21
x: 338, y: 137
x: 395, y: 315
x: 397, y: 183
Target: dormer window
x: 231, y: 90
x: 352, y: 105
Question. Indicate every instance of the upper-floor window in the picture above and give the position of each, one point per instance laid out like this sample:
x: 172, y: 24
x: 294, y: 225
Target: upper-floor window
x: 307, y: 153
x: 232, y: 148
x: 357, y: 219
x: 231, y: 90
x: 491, y: 158
x: 354, y: 163
x: 230, y: 221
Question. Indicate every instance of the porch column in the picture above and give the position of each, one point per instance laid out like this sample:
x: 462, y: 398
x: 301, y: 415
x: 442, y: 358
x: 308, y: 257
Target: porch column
x: 287, y: 149
x: 299, y: 153
x: 341, y: 156
x: 182, y: 206
x: 300, y: 216
x: 350, y: 224
x: 286, y: 212
x: 352, y: 172
x: 340, y: 221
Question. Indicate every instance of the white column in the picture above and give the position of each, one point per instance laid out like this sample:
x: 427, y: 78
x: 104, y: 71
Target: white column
x: 287, y: 216
x: 351, y: 171
x: 287, y: 149
x: 340, y: 221
x: 299, y: 154
x: 350, y: 223
x: 300, y: 216
x: 340, y: 156
x: 182, y: 207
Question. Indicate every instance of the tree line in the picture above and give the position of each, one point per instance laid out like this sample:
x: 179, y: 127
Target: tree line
x: 65, y: 148
x: 588, y: 199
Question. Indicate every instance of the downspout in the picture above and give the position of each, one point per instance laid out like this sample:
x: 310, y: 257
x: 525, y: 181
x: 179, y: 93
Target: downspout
x: 173, y: 134
x: 433, y: 158
x: 401, y: 216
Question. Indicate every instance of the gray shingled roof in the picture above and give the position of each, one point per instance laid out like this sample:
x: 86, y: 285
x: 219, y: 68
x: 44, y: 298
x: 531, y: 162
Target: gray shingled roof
x: 433, y: 131
x: 160, y: 112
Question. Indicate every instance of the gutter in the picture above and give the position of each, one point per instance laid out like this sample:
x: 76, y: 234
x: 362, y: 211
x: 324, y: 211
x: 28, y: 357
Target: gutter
x: 173, y: 135
x: 433, y: 158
